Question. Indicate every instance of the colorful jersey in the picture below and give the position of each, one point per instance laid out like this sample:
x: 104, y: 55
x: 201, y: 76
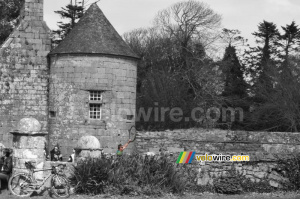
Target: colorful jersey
x: 119, y: 152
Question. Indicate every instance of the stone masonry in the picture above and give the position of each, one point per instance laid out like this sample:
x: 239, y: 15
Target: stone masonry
x: 93, y: 58
x: 24, y: 72
x: 55, y: 86
x: 28, y: 145
x: 71, y: 80
x: 264, y: 149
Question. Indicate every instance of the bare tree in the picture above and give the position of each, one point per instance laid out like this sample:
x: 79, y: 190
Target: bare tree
x: 174, y: 70
x: 188, y: 21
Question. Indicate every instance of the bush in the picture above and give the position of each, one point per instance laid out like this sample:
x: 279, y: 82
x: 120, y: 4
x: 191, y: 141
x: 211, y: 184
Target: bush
x: 229, y: 184
x: 259, y: 187
x: 290, y: 168
x: 236, y: 183
x: 91, y: 176
x: 129, y: 175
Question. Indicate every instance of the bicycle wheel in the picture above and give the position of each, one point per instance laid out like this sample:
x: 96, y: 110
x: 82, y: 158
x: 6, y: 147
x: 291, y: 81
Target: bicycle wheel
x: 60, y: 186
x: 20, y: 185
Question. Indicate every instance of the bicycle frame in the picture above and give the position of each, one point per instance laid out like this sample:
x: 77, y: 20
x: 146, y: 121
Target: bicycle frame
x: 28, y: 184
x: 39, y: 185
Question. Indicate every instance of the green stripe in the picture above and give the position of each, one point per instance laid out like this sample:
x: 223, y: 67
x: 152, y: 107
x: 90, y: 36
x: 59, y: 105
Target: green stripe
x: 178, y: 160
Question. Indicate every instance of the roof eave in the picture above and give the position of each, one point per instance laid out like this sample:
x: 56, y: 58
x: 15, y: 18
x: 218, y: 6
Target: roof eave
x: 95, y: 54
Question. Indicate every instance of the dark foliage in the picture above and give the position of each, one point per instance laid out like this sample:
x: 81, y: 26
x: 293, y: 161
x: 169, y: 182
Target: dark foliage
x: 229, y: 184
x: 235, y: 92
x: 72, y: 12
x: 259, y: 187
x: 9, y: 13
x: 235, y: 85
x: 129, y: 175
x: 290, y: 168
x: 236, y: 183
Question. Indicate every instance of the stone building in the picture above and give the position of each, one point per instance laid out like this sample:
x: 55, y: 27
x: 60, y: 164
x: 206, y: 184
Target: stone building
x: 85, y: 86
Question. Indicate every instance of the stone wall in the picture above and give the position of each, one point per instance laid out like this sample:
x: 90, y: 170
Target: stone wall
x: 71, y: 80
x: 24, y: 72
x: 264, y: 149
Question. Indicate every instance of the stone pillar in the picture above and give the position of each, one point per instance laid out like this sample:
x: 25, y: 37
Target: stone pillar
x: 28, y: 145
x: 24, y: 71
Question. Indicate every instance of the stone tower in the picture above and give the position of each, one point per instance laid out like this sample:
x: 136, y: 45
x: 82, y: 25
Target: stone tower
x: 92, y: 85
x: 24, y: 72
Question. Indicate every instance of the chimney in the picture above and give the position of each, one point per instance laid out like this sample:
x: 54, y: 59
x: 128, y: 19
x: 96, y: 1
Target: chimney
x: 32, y: 10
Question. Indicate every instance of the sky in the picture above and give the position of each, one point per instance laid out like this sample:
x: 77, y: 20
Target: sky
x: 244, y: 15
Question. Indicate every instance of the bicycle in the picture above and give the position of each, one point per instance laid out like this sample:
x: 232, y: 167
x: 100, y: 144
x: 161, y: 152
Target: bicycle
x: 24, y: 184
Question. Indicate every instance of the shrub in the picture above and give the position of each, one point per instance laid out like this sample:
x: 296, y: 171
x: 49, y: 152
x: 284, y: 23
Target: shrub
x: 229, y: 184
x: 239, y: 184
x: 205, y: 188
x: 91, y: 176
x: 129, y: 175
x: 290, y: 168
x: 236, y: 183
x: 260, y: 187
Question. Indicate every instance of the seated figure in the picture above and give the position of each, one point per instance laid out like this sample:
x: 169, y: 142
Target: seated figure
x: 72, y: 157
x: 55, y: 154
x: 6, y: 166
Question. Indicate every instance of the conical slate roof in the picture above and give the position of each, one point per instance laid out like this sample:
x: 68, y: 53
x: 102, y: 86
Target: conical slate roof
x: 94, y: 34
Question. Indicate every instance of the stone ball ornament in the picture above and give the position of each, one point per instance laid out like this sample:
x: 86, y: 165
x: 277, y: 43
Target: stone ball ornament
x: 88, y: 142
x: 87, y: 146
x: 29, y: 125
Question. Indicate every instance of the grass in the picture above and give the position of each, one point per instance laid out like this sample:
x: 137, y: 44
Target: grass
x: 277, y: 195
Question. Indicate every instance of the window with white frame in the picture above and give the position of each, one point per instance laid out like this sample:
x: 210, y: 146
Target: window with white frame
x: 95, y: 103
x: 95, y: 96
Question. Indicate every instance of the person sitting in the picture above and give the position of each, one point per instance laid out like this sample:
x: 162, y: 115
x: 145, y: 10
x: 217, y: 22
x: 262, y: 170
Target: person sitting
x: 6, y: 168
x: 55, y: 154
x: 121, y: 148
x: 46, y: 153
x: 72, y: 157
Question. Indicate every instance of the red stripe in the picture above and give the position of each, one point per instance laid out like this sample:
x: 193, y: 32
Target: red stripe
x: 188, y: 159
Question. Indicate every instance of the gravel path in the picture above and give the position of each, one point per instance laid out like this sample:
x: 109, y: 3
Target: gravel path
x: 291, y: 195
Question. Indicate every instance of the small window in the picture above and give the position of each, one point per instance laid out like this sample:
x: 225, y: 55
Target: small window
x: 95, y: 111
x: 52, y: 114
x: 95, y: 96
x: 95, y: 104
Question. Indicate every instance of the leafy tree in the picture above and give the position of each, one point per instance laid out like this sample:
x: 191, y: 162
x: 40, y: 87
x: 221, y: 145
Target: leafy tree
x: 72, y: 12
x: 233, y: 72
x: 258, y: 59
x: 285, y: 99
x: 235, y: 94
x: 161, y: 80
x: 267, y: 35
x: 290, y: 39
x: 235, y: 84
x: 289, y: 43
x: 9, y: 13
x: 231, y: 37
x: 279, y: 106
